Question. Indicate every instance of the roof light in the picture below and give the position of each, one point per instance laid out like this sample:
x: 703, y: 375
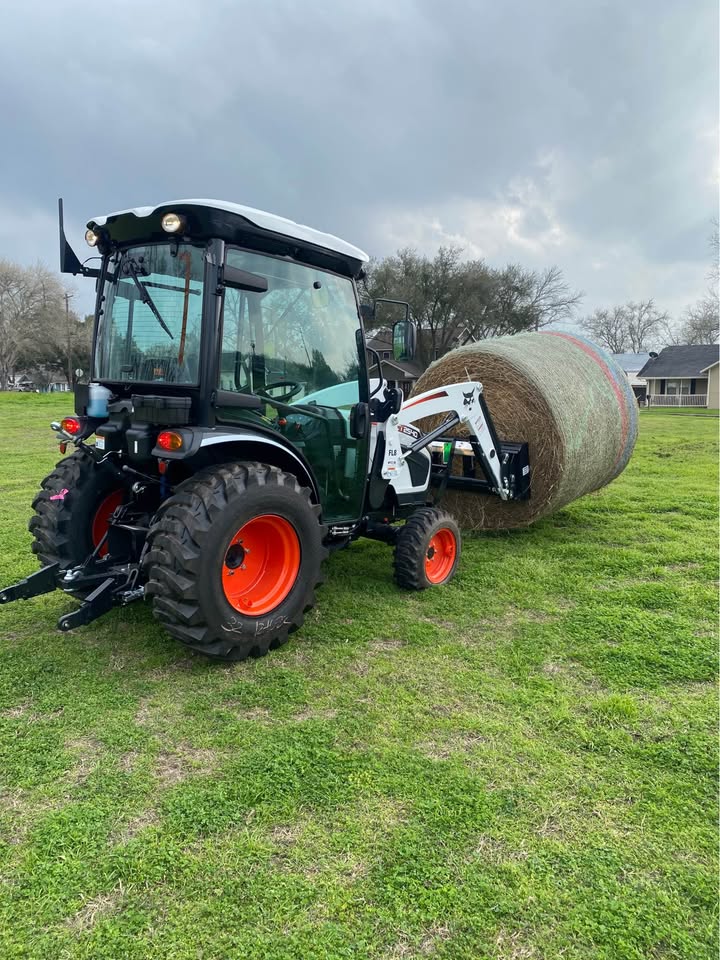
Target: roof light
x: 71, y: 425
x: 169, y: 440
x: 91, y: 238
x: 172, y: 223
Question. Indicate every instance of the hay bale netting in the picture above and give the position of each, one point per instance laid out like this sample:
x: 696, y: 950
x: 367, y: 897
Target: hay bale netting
x: 561, y: 394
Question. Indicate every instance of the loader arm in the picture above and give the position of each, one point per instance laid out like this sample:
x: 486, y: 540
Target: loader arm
x: 465, y: 406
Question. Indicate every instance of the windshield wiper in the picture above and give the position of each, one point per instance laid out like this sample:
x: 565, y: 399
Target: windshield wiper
x: 132, y: 267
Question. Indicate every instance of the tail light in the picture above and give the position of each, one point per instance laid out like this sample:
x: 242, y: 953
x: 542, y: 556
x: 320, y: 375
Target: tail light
x: 71, y: 425
x: 169, y: 440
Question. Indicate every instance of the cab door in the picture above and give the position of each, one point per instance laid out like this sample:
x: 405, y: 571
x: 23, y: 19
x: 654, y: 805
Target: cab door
x: 296, y: 347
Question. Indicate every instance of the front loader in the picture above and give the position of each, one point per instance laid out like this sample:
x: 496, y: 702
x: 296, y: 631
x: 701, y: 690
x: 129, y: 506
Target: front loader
x: 231, y: 434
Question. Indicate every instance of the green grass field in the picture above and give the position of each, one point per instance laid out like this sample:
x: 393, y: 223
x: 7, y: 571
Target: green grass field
x: 519, y: 765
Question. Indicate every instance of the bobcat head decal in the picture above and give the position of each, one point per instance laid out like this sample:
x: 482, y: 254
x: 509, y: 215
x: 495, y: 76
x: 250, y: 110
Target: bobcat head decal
x: 468, y: 398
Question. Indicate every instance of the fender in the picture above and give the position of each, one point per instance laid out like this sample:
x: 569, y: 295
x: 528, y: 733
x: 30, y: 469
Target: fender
x: 197, y: 439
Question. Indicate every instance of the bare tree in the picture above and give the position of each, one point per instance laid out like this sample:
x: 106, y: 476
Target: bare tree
x: 62, y: 341
x: 645, y: 325
x: 22, y: 298
x: 552, y: 299
x: 700, y: 322
x: 633, y: 327
x: 607, y: 327
x: 37, y: 328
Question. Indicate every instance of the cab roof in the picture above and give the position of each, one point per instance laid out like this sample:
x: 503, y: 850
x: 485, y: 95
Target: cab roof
x: 269, y: 223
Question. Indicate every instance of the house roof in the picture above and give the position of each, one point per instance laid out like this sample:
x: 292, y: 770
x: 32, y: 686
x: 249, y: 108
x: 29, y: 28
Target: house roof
x: 631, y: 362
x: 710, y: 366
x: 686, y: 361
x: 408, y: 368
x: 379, y: 339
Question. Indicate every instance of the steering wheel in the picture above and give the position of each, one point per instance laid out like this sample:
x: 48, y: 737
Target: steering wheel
x: 294, y: 390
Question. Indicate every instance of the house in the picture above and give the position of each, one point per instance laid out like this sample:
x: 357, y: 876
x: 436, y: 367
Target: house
x: 713, y: 375
x: 398, y: 373
x: 683, y: 377
x: 21, y: 382
x: 632, y: 364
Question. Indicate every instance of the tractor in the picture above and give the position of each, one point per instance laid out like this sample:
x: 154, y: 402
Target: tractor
x: 236, y: 428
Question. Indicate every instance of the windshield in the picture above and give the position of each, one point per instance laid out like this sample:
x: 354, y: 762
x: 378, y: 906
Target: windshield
x: 150, y: 327
x: 293, y: 341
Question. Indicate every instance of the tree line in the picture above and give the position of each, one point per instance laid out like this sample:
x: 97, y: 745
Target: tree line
x: 452, y: 300
x: 40, y: 335
x: 455, y: 301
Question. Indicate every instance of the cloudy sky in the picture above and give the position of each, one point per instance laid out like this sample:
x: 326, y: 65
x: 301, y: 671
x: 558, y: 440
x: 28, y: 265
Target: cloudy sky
x: 583, y: 134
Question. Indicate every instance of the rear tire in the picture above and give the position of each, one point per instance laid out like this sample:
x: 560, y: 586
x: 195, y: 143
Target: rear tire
x: 427, y: 550
x: 70, y: 511
x: 196, y: 556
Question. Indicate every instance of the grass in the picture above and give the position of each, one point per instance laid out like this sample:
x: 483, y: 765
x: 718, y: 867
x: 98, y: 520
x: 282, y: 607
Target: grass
x: 519, y: 765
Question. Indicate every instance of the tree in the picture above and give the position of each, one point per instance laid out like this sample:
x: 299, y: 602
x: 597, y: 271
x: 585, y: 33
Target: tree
x: 700, y: 322
x: 633, y: 327
x: 37, y: 329
x: 607, y: 327
x: 60, y: 341
x: 456, y: 301
x: 526, y: 300
x: 23, y: 294
x: 437, y: 290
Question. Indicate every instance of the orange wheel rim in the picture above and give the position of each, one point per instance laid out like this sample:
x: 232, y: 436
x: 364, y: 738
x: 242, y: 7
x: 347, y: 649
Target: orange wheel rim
x: 101, y: 520
x: 440, y: 556
x: 261, y: 565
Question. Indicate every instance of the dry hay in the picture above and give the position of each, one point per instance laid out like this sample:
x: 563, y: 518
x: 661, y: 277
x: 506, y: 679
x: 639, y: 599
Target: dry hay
x: 564, y: 396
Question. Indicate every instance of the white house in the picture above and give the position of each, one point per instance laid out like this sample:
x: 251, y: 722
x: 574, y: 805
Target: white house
x: 684, y: 377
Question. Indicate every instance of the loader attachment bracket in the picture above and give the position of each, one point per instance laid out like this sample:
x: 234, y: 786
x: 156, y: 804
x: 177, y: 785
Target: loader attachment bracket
x: 514, y: 458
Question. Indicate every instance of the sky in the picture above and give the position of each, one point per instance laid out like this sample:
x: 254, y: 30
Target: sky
x: 578, y: 134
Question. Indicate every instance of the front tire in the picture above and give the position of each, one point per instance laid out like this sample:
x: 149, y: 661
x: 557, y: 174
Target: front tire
x: 427, y: 550
x: 234, y: 558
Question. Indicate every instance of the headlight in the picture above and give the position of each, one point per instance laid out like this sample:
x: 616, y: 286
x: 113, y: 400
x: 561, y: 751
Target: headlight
x: 172, y: 223
x: 91, y: 238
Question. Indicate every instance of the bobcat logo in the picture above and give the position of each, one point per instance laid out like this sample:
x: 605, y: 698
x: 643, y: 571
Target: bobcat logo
x: 468, y: 398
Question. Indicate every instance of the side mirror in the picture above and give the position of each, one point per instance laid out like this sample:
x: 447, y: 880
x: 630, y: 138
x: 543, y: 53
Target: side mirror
x: 404, y: 340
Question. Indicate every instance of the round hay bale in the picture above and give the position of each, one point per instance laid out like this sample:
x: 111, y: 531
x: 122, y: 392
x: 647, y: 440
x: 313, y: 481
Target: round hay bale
x: 564, y: 396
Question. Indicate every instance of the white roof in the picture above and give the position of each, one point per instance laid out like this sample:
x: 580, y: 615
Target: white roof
x: 266, y: 221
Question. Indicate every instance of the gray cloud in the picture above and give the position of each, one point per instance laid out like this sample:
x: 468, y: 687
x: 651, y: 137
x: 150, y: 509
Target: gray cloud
x: 577, y: 134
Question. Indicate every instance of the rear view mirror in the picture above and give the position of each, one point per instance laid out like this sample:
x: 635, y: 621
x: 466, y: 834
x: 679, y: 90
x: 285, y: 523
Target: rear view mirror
x: 404, y: 340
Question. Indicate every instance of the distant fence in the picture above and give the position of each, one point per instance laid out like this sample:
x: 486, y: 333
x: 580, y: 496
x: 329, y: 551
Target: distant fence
x: 678, y: 400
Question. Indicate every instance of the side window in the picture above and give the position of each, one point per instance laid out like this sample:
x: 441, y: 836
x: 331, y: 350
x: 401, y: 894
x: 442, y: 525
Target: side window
x: 296, y: 341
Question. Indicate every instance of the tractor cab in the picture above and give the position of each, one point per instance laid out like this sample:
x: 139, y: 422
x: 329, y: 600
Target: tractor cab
x: 219, y: 321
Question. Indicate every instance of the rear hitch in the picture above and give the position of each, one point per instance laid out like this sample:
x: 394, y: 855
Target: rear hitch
x: 117, y: 589
x: 112, y: 586
x: 100, y: 601
x: 44, y: 581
